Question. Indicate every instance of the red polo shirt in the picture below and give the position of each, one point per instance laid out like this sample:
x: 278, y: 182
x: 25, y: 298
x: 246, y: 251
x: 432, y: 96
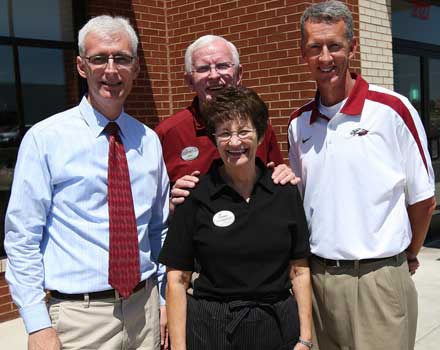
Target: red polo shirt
x: 186, y: 146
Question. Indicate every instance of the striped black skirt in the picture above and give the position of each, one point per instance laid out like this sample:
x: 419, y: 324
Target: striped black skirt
x: 241, y: 325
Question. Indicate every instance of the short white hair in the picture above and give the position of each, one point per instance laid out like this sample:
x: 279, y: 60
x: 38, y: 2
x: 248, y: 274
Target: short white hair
x: 106, y: 25
x: 205, y: 41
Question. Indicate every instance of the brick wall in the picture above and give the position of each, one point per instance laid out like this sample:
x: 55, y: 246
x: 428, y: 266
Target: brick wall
x: 267, y: 36
x: 376, y: 42
x: 266, y: 33
x: 150, y: 97
x: 8, y: 310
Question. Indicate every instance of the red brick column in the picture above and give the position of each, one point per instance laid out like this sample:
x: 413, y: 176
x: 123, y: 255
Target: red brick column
x: 8, y: 310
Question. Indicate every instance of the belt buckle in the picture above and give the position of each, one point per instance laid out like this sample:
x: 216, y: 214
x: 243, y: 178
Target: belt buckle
x: 338, y: 264
x: 117, y: 296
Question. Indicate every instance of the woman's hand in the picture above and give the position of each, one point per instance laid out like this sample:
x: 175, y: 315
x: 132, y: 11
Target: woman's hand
x: 299, y: 346
x: 301, y: 284
x: 177, y: 284
x: 163, y: 328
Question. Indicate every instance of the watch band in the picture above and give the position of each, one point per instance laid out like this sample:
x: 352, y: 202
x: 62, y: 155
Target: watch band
x: 309, y: 344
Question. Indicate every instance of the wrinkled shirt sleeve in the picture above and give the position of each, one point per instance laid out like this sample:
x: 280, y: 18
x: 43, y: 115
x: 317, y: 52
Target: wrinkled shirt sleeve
x: 158, y: 224
x: 24, y: 229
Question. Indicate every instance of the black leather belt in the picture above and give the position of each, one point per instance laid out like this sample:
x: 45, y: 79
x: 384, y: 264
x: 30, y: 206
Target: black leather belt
x: 350, y: 263
x: 105, y: 294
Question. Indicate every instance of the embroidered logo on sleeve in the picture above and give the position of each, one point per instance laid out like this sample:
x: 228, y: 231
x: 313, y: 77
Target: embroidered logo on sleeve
x: 358, y: 132
x: 306, y: 139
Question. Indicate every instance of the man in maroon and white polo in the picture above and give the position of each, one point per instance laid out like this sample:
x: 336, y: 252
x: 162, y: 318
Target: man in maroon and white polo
x: 211, y: 64
x: 368, y: 190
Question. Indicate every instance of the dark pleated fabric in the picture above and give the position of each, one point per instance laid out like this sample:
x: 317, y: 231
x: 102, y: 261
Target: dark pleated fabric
x: 241, y: 325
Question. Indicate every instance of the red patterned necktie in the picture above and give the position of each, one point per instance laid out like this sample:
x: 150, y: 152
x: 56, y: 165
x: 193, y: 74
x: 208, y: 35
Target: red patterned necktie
x: 124, y: 272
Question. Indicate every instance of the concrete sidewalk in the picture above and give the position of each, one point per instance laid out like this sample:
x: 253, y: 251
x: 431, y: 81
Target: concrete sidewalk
x: 427, y: 279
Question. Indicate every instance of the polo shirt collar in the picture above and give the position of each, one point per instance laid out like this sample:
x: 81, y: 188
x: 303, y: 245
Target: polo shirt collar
x: 217, y: 184
x: 354, y: 104
x: 194, y: 108
x: 97, y: 121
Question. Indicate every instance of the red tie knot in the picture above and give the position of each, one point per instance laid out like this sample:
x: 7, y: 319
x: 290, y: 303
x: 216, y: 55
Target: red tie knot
x: 112, y: 128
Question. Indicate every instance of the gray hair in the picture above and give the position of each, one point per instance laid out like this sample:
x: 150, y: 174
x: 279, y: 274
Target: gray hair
x: 205, y: 41
x: 329, y: 12
x: 106, y: 25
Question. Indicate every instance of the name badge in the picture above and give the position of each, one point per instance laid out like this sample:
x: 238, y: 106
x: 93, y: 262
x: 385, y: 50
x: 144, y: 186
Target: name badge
x: 189, y: 153
x: 223, y: 218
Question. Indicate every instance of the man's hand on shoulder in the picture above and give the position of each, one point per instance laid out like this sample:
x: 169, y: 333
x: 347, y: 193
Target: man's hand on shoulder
x: 44, y: 339
x: 282, y: 174
x: 180, y: 189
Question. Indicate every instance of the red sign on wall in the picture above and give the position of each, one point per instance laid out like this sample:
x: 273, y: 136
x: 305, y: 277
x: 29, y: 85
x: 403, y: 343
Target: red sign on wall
x: 420, y: 9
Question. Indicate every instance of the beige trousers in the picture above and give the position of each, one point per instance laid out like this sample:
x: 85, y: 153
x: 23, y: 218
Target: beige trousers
x: 109, y: 324
x: 372, y: 306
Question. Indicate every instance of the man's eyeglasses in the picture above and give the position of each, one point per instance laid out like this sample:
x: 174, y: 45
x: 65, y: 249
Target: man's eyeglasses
x: 102, y: 60
x: 221, y: 68
x: 242, y: 134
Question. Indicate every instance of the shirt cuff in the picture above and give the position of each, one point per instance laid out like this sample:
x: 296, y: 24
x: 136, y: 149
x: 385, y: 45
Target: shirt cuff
x: 35, y: 317
x: 161, y: 287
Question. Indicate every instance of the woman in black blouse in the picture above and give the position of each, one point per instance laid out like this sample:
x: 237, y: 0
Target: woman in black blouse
x: 250, y: 240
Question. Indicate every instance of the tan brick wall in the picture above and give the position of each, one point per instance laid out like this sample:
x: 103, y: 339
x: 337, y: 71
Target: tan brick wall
x: 376, y: 42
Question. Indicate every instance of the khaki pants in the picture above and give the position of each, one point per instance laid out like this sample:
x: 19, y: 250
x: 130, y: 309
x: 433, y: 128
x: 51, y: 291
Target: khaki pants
x: 371, y: 306
x: 109, y: 324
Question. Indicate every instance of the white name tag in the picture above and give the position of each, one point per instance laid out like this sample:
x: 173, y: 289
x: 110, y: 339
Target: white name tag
x: 189, y: 153
x: 223, y: 218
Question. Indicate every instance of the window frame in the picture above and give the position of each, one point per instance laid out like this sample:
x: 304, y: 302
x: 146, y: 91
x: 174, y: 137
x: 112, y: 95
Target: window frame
x: 78, y: 14
x: 425, y: 52
x: 79, y: 19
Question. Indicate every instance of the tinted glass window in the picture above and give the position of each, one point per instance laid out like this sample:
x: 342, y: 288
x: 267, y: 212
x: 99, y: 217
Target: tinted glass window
x: 4, y: 18
x: 407, y: 78
x: 37, y: 78
x: 416, y: 21
x: 43, y: 19
x: 44, y: 74
x: 8, y: 102
x: 9, y: 131
x: 434, y: 106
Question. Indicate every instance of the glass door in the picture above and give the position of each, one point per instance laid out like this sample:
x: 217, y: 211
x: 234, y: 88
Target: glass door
x: 434, y: 108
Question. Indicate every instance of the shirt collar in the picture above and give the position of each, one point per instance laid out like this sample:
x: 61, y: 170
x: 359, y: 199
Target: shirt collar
x: 97, y: 121
x: 353, y: 106
x: 194, y: 108
x: 218, y: 184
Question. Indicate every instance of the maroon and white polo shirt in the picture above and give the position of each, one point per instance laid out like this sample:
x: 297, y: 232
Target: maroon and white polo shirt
x: 360, y: 170
x: 186, y: 146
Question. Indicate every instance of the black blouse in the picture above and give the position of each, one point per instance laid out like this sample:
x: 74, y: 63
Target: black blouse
x: 243, y: 249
